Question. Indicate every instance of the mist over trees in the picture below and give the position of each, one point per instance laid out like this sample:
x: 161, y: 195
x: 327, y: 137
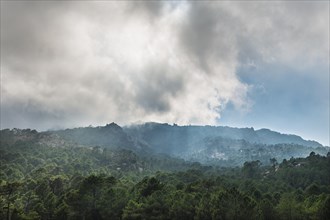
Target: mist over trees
x: 137, y: 173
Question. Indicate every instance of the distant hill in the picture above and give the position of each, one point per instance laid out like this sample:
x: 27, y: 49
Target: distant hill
x: 225, y: 146
x: 155, y: 133
x: 111, y: 135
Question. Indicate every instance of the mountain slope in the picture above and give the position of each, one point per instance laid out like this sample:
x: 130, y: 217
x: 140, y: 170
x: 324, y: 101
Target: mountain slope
x: 177, y: 138
x: 224, y: 146
x: 108, y: 136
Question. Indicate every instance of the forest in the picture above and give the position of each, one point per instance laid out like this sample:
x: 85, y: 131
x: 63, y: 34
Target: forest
x: 72, y: 182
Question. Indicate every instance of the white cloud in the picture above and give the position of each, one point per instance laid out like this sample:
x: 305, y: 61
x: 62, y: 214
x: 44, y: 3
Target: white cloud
x: 80, y: 63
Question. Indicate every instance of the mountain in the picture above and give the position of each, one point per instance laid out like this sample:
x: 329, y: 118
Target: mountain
x: 111, y: 135
x: 271, y: 137
x: 26, y: 137
x: 224, y: 146
x: 185, y: 136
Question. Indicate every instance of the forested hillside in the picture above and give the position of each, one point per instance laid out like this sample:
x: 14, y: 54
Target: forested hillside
x: 223, y: 146
x: 61, y: 180
x: 220, y: 146
x: 55, y: 189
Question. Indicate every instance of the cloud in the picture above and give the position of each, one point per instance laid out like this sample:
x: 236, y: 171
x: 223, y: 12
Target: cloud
x: 288, y: 33
x: 79, y: 63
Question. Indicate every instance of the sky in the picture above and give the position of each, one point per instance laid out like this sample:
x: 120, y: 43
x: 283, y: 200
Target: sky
x: 243, y: 64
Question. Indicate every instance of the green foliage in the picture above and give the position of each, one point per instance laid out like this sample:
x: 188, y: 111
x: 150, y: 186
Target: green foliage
x: 72, y: 182
x: 232, y: 204
x: 148, y: 185
x: 250, y: 169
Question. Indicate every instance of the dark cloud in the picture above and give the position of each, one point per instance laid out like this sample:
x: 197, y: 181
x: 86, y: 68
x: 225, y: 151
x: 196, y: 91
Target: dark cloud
x: 209, y: 33
x: 157, y: 88
x: 150, y: 8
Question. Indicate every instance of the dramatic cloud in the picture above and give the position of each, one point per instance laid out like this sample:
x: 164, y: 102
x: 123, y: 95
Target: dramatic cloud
x: 67, y: 64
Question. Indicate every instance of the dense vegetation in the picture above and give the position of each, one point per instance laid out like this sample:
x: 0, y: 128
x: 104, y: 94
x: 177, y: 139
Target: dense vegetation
x: 42, y: 182
x: 39, y: 181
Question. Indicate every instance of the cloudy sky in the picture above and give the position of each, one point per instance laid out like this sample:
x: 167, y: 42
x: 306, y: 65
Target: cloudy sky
x: 244, y: 64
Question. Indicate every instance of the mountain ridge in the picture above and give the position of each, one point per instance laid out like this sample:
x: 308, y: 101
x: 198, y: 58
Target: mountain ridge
x: 206, y: 144
x: 295, y: 139
x: 263, y: 134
